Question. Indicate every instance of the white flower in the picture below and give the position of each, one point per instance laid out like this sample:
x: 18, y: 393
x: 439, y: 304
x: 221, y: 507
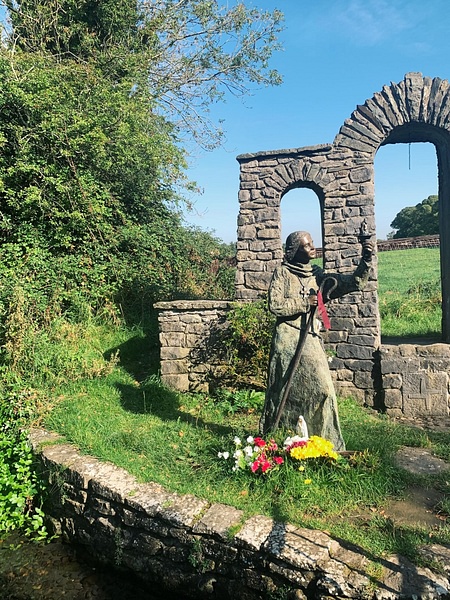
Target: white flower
x: 237, y: 454
x: 250, y: 440
x: 237, y: 441
x: 224, y: 455
x: 248, y: 450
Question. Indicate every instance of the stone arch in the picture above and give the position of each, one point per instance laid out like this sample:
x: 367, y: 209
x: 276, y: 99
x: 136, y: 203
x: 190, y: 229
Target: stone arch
x: 320, y: 198
x: 415, y: 109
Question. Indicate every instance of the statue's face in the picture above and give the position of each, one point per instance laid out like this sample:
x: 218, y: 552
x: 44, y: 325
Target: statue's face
x: 306, y: 250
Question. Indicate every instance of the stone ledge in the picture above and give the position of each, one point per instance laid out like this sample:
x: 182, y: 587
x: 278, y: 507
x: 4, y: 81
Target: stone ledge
x: 180, y: 305
x: 191, y: 537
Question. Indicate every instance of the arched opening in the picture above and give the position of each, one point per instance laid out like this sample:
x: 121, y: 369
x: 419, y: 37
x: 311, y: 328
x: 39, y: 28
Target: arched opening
x: 301, y: 210
x: 410, y: 282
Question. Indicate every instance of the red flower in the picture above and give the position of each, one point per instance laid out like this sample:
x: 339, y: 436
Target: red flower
x: 272, y: 446
x: 296, y: 445
x: 278, y: 460
x: 265, y: 466
x: 259, y: 442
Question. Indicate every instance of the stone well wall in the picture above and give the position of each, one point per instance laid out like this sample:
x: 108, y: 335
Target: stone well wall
x: 415, y: 379
x: 193, y: 548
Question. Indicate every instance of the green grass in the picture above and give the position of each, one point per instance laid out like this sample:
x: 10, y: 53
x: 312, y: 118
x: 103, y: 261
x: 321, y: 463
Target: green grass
x: 409, y: 292
x: 173, y: 439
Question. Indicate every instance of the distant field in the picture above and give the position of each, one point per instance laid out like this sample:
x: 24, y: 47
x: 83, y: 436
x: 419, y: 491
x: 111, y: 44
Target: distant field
x: 410, y: 292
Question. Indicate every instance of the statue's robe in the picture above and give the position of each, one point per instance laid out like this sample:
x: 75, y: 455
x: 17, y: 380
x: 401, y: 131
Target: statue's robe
x: 312, y: 393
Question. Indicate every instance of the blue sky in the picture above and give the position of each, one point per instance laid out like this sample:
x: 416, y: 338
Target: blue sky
x: 337, y: 54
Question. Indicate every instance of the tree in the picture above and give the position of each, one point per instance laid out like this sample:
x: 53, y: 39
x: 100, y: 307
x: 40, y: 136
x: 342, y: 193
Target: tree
x: 422, y: 219
x: 91, y: 165
x: 187, y: 54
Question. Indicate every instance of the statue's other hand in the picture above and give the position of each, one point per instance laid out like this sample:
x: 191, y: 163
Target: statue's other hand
x: 312, y: 299
x: 367, y: 250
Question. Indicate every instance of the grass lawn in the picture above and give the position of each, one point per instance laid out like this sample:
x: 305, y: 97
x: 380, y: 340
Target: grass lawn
x: 409, y: 290
x: 128, y: 417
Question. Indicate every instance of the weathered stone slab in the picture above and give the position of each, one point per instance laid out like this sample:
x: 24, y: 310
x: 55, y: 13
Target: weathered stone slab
x: 218, y: 520
x: 420, y: 461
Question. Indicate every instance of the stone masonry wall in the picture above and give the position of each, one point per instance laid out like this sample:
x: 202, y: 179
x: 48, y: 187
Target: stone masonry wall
x: 192, y: 548
x: 342, y: 174
x: 416, y: 379
x: 412, y: 380
x: 416, y: 109
x: 187, y: 336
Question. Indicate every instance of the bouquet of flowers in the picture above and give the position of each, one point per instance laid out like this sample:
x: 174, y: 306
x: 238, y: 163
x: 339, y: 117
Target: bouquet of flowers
x: 313, y: 447
x: 261, y: 456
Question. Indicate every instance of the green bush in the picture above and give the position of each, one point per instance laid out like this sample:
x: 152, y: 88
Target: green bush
x: 20, y: 487
x: 246, y: 342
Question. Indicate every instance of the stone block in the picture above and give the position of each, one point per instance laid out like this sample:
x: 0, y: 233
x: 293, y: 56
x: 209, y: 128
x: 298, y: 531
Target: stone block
x: 173, y: 353
x: 363, y: 380
x: 361, y: 175
x: 178, y: 382
x: 253, y: 265
x: 255, y: 532
x: 425, y: 393
x: 243, y: 195
x: 392, y: 380
x: 246, y: 232
x: 344, y: 375
x: 333, y: 337
x: 174, y: 367
x: 359, y: 365
x: 217, y: 520
x: 267, y: 234
x: 172, y: 339
x: 363, y: 340
x: 352, y: 351
x: 346, y: 389
x: 258, y: 281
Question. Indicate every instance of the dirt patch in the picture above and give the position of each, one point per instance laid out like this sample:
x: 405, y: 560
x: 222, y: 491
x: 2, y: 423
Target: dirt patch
x: 419, y: 507
x: 49, y: 572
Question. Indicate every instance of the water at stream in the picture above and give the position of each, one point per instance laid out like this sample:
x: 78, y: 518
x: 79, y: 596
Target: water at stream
x: 58, y: 571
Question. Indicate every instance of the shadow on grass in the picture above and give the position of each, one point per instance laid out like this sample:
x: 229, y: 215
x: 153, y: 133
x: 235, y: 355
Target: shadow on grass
x: 139, y: 355
x: 152, y: 398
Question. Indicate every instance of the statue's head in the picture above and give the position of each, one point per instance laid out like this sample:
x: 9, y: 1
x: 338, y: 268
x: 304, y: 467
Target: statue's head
x: 299, y: 247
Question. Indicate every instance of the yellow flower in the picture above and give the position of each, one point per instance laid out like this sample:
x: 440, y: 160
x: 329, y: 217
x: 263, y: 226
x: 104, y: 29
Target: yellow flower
x: 314, y: 448
x: 301, y: 468
x: 307, y: 481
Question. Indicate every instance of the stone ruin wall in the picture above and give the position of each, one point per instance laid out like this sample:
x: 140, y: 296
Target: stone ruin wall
x: 342, y: 174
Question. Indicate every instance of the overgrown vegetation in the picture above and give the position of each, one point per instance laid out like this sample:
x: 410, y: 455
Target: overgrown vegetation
x: 21, y: 490
x: 96, y: 103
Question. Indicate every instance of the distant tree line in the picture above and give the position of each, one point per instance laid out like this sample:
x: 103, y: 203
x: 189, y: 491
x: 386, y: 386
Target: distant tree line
x: 421, y: 219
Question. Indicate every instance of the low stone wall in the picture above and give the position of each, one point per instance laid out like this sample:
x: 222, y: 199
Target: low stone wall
x: 402, y: 380
x: 191, y: 548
